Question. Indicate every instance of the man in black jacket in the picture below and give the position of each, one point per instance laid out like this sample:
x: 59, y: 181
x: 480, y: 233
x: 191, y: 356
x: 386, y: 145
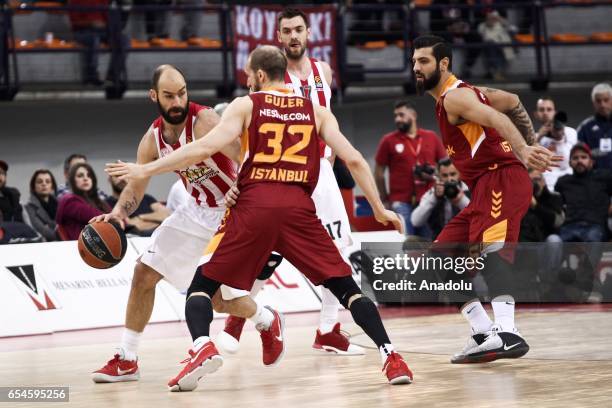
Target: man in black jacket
x: 545, y: 215
x: 10, y: 209
x: 586, y: 195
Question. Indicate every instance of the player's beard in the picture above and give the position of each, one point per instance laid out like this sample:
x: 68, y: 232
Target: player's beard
x: 295, y: 55
x: 174, y: 120
x: 427, y: 84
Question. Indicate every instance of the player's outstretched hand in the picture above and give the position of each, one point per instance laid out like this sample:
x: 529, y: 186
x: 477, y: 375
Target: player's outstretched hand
x: 539, y: 158
x: 231, y: 196
x: 109, y: 218
x: 125, y: 171
x: 389, y: 216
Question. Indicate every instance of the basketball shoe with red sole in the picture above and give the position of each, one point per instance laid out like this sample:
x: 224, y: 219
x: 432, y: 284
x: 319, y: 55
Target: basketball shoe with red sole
x: 336, y: 342
x: 273, y: 340
x: 228, y: 339
x: 117, y: 370
x: 397, y: 370
x: 205, y: 360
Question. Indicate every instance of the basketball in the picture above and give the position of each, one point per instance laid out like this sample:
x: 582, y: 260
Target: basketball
x: 102, y: 245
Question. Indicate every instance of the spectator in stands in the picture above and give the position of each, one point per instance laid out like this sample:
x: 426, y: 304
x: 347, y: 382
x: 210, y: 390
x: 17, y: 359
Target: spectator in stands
x: 70, y: 161
x: 13, y: 229
x: 192, y: 19
x: 156, y: 21
x: 77, y: 208
x: 545, y: 215
x: 546, y: 114
x: 149, y: 214
x: 10, y: 208
x: 411, y: 155
x: 586, y: 196
x: 442, y: 201
x: 91, y: 28
x: 596, y: 131
x: 493, y: 31
x: 456, y: 25
x: 42, y: 207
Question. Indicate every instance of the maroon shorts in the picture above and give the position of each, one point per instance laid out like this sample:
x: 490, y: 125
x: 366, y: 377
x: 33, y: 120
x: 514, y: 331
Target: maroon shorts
x: 498, y: 203
x: 249, y: 233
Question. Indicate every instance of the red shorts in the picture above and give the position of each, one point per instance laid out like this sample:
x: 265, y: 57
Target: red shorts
x: 499, y: 201
x: 249, y: 233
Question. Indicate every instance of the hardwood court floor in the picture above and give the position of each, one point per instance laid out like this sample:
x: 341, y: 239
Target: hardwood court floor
x: 570, y: 364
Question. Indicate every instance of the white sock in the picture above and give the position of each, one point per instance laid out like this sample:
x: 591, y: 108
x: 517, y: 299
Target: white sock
x: 262, y: 318
x: 477, y: 316
x: 385, y: 351
x: 257, y: 286
x: 129, y: 344
x: 200, y: 341
x: 329, y: 311
x: 503, y: 310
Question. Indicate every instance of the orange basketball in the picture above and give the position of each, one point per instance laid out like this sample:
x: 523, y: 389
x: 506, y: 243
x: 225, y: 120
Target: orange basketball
x: 102, y: 245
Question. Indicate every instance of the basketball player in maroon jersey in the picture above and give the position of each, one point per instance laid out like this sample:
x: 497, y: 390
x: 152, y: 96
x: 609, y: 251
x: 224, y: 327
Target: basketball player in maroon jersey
x: 490, y: 138
x: 178, y: 243
x: 311, y: 79
x: 275, y: 211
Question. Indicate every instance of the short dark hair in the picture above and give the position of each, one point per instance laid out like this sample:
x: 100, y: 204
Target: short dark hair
x: 160, y: 70
x: 39, y: 172
x: 290, y: 13
x: 440, y: 47
x: 71, y: 158
x: 403, y: 103
x: 445, y: 162
x: 270, y: 60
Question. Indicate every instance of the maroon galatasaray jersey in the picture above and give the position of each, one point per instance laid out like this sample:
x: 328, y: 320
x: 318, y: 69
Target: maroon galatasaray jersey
x: 473, y: 149
x: 281, y: 145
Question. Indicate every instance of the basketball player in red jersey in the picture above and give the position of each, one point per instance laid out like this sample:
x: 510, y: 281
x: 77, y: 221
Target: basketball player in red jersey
x: 275, y: 211
x: 178, y: 243
x: 311, y: 79
x: 489, y: 137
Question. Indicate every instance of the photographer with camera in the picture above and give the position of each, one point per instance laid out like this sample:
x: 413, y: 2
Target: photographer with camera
x: 555, y: 136
x: 443, y: 201
x: 410, y: 154
x: 545, y: 214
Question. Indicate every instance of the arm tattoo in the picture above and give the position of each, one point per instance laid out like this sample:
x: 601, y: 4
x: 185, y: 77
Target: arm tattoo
x: 130, y: 205
x: 519, y: 116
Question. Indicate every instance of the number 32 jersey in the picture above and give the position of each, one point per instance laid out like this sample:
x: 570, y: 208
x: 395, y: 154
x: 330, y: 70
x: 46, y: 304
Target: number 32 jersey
x: 280, y: 146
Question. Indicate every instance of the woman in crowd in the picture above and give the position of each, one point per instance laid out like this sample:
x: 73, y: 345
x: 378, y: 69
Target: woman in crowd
x: 77, y: 208
x: 42, y: 206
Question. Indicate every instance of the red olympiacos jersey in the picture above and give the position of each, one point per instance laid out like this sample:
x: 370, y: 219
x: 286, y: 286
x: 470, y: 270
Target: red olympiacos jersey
x: 281, y: 144
x: 475, y: 150
x: 207, y: 181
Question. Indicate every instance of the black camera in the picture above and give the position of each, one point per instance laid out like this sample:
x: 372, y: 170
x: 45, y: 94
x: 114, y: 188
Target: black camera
x: 451, y: 189
x: 424, y: 172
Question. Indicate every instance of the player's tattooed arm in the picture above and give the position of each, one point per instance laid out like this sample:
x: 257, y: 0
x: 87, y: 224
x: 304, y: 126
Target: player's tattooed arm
x: 510, y: 105
x: 519, y: 116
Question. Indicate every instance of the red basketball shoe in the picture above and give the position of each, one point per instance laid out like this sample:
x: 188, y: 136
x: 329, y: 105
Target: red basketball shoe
x: 117, y: 370
x: 397, y: 370
x: 228, y: 339
x: 272, y: 340
x: 336, y: 342
x: 205, y: 360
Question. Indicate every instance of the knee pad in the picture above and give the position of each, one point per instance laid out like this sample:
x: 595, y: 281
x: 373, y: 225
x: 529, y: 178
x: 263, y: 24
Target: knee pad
x: 343, y: 288
x: 271, y: 264
x: 201, y: 283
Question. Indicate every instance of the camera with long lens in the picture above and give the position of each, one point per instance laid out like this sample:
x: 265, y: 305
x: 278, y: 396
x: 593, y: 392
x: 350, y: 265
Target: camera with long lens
x: 424, y: 172
x: 536, y: 188
x: 451, y: 189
